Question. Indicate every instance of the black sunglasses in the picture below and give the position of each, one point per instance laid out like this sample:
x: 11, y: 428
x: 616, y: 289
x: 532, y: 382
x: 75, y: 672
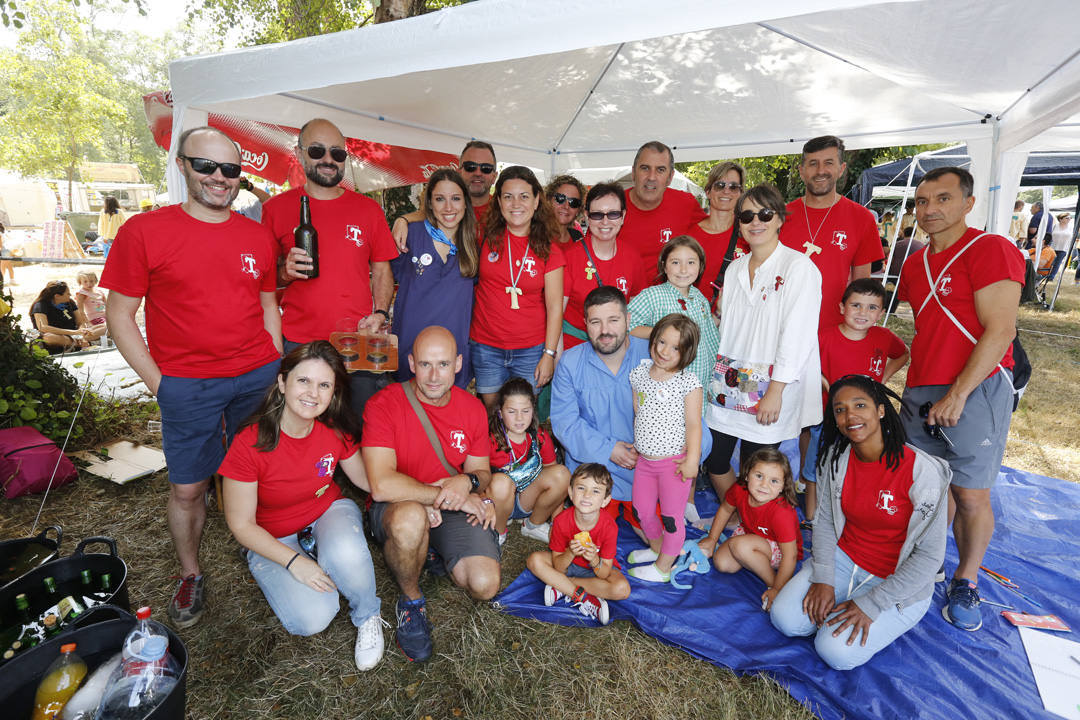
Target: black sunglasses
x: 933, y: 431
x: 721, y: 185
x: 572, y: 202
x: 208, y: 167
x: 470, y: 166
x: 610, y: 215
x: 316, y: 152
x: 764, y: 215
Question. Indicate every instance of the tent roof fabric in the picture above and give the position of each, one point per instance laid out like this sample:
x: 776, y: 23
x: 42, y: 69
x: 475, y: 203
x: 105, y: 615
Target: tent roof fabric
x: 565, y: 84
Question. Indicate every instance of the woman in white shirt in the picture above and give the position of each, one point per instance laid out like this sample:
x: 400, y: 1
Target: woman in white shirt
x: 765, y: 386
x: 1060, y: 238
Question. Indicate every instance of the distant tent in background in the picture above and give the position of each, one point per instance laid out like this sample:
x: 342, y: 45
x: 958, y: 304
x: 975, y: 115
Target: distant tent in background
x: 1043, y: 168
x: 267, y: 151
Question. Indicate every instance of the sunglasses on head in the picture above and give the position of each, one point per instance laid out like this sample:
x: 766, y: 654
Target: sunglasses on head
x: 470, y: 166
x: 764, y: 215
x: 316, y: 152
x: 572, y: 202
x: 721, y: 185
x: 208, y: 167
x: 610, y: 215
x: 933, y: 431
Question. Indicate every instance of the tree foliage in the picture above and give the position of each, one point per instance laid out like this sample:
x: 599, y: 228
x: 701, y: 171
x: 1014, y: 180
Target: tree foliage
x: 783, y: 170
x: 11, y: 13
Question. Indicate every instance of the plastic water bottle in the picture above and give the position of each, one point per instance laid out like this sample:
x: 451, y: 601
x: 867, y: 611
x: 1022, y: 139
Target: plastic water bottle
x: 146, y: 674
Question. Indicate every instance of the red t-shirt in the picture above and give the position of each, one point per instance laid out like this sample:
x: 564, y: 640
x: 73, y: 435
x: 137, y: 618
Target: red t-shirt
x: 715, y: 245
x: 647, y: 231
x: 624, y: 271
x: 877, y: 509
x: 201, y: 282
x: 460, y: 425
x: 494, y: 321
x: 296, y: 479
x: 775, y: 520
x: 939, y: 350
x: 842, y: 356
x: 605, y: 536
x: 501, y: 458
x: 847, y: 236
x: 352, y: 235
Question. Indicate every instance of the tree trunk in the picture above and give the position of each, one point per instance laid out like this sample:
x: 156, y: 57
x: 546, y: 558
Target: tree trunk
x: 390, y: 10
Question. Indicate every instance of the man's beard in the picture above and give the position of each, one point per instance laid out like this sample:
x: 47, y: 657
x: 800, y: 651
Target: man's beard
x: 332, y: 181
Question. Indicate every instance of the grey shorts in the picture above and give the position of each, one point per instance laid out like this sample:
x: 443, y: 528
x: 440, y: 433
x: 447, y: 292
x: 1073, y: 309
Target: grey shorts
x: 978, y: 440
x: 453, y: 539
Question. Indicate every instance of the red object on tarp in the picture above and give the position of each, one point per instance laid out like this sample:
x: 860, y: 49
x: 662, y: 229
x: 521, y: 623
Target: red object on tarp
x: 267, y: 151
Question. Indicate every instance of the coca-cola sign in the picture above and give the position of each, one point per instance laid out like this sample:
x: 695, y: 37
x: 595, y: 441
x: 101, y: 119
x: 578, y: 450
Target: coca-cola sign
x: 255, y: 160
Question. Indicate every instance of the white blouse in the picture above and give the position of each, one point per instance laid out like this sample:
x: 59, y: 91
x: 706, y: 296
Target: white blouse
x: 775, y: 322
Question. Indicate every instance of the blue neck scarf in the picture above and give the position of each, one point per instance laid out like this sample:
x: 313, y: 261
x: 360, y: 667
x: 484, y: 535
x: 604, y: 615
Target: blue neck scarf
x: 439, y: 236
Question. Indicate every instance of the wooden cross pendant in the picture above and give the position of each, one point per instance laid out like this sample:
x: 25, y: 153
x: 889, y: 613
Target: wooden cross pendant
x: 811, y: 249
x: 514, y: 292
x: 589, y: 272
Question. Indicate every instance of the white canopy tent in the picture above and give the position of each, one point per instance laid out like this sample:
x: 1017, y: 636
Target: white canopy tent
x: 564, y: 84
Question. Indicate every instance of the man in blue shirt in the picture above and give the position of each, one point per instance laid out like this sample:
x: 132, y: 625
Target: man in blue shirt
x: 592, y: 410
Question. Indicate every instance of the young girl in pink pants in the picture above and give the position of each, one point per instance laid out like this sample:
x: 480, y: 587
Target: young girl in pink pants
x: 667, y: 435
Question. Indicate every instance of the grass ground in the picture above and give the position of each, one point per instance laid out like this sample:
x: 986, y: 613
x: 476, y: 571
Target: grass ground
x: 487, y: 665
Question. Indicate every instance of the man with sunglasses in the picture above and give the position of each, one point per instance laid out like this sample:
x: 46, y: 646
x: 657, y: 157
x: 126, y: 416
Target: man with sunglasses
x: 964, y: 288
x: 355, y: 249
x: 213, y: 331
x: 655, y: 213
x: 477, y: 169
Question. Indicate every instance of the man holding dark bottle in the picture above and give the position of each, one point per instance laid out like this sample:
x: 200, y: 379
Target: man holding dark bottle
x: 354, y: 247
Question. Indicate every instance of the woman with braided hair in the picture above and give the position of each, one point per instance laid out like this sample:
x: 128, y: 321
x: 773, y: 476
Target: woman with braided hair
x: 879, y: 532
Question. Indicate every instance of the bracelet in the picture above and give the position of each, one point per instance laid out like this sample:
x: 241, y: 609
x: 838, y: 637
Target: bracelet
x: 288, y: 564
x: 383, y: 313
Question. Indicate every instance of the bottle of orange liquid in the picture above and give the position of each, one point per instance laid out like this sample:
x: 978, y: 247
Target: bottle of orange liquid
x: 61, y: 681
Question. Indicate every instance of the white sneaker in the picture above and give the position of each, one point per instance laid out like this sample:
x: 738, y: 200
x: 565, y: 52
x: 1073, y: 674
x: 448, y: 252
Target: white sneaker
x: 551, y: 595
x: 650, y: 573
x: 645, y: 555
x: 369, y: 643
x: 691, y: 512
x: 541, y: 532
x: 503, y: 536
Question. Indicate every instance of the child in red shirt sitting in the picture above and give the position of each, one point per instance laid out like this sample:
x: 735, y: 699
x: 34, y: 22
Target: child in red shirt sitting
x: 581, y: 565
x: 857, y: 346
x: 526, y: 482
x: 767, y: 541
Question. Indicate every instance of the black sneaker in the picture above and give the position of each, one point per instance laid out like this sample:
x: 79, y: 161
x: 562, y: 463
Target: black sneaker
x: 433, y: 563
x: 413, y: 629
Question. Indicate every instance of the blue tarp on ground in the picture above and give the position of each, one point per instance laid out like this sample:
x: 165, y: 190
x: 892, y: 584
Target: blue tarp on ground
x: 934, y: 671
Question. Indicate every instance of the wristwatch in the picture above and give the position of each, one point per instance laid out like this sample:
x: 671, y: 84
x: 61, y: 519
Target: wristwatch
x: 474, y: 480
x: 549, y: 352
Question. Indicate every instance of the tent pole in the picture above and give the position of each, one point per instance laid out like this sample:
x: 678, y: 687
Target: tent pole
x: 896, y: 235
x: 1068, y: 254
x: 584, y: 100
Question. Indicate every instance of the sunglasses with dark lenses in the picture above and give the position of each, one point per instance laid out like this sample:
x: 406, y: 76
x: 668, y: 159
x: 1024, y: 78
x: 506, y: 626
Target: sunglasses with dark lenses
x: 470, y: 166
x: 721, y: 185
x: 933, y: 431
x: 610, y: 215
x: 764, y: 215
x: 208, y: 167
x: 572, y: 202
x: 315, y: 152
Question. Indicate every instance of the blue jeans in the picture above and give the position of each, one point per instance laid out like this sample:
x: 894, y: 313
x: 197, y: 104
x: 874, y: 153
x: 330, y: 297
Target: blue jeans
x: 849, y: 581
x: 343, y: 555
x: 494, y: 366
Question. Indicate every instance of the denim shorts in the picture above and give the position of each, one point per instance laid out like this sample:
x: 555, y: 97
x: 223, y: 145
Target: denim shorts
x: 192, y: 413
x: 573, y: 570
x: 494, y: 366
x: 809, y: 468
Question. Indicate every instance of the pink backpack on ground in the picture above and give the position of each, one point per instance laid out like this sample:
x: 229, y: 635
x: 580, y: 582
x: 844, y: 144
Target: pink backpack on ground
x: 27, y: 461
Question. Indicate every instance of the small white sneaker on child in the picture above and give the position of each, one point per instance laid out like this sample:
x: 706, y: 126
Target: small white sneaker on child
x: 645, y: 555
x: 541, y: 532
x: 650, y: 573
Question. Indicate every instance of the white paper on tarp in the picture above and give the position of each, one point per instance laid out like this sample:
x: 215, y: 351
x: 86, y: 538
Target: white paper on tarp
x: 1057, y: 673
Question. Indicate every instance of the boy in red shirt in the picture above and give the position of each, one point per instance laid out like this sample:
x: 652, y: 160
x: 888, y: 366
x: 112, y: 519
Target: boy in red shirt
x: 857, y: 346
x: 581, y: 565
